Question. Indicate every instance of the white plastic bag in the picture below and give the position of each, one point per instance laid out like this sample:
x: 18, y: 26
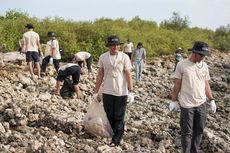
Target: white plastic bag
x: 96, y: 121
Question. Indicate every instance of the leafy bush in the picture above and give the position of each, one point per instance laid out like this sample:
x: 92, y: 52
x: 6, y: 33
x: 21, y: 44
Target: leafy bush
x: 91, y: 36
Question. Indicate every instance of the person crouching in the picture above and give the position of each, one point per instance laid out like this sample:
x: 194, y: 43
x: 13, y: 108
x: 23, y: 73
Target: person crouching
x: 67, y: 70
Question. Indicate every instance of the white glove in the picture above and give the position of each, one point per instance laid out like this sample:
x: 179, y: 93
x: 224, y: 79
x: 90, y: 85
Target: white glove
x: 130, y: 97
x: 172, y: 105
x: 95, y: 97
x: 51, y: 60
x: 213, y: 105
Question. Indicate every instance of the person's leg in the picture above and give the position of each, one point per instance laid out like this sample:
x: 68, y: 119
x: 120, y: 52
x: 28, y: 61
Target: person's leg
x: 186, y: 124
x: 89, y: 63
x: 130, y: 55
x: 141, y: 69
x: 38, y: 69
x: 56, y: 64
x: 136, y: 71
x: 58, y: 87
x: 119, y: 115
x: 29, y: 60
x: 45, y: 62
x: 30, y: 65
x: 108, y: 103
x: 198, y: 127
x: 36, y: 59
x: 175, y: 66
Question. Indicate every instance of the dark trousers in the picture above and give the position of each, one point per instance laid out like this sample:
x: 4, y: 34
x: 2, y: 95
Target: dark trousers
x: 88, y: 63
x: 115, y: 107
x: 176, y: 62
x: 45, y: 62
x: 192, y: 122
x: 129, y: 54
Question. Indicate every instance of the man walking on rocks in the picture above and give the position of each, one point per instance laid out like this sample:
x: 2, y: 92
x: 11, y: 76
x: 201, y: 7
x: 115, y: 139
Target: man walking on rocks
x: 115, y: 71
x: 191, y: 88
x: 31, y: 45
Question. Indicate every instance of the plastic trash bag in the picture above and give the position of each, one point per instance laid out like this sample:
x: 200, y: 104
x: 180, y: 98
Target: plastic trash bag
x: 67, y: 89
x: 96, y: 121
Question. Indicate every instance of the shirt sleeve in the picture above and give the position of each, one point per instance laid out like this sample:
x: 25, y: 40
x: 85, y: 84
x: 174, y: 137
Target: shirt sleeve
x: 100, y: 63
x: 178, y: 72
x: 127, y: 62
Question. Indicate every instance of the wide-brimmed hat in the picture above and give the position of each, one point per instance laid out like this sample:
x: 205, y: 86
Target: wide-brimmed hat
x: 113, y: 40
x: 51, y: 34
x: 29, y: 26
x: 200, y: 47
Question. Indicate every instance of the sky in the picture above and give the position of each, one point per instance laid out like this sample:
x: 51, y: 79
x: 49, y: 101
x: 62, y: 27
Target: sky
x: 209, y: 14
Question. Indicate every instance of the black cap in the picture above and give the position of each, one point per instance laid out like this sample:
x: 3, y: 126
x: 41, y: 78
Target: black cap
x: 29, y: 26
x: 200, y: 48
x: 113, y: 40
x: 139, y: 44
x: 51, y: 34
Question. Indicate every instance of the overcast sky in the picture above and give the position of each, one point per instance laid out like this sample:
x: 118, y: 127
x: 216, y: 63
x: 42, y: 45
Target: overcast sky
x: 202, y: 13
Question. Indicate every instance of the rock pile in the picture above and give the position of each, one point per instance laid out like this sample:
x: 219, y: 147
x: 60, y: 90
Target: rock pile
x: 34, y: 119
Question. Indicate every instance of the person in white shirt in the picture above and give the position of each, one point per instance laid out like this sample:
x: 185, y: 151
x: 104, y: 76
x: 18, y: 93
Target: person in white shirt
x: 128, y: 48
x: 115, y: 72
x: 31, y: 46
x: 84, y: 58
x: 192, y: 89
x: 52, y: 54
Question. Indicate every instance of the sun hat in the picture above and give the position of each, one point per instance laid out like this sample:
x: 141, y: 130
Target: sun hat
x: 200, y: 47
x: 51, y: 34
x: 113, y: 40
x: 29, y: 26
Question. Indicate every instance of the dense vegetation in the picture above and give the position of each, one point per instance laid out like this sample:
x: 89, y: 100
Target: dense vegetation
x: 91, y: 36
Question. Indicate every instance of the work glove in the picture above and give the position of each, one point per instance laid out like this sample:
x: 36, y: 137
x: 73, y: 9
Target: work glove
x: 51, y: 60
x: 95, y: 97
x: 130, y: 97
x: 213, y: 105
x: 172, y: 105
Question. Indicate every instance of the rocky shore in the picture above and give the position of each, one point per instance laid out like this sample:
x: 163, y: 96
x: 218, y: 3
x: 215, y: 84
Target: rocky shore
x: 34, y: 119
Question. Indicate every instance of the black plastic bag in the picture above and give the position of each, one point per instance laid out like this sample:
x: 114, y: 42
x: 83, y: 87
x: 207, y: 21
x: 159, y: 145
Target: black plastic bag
x: 67, y: 89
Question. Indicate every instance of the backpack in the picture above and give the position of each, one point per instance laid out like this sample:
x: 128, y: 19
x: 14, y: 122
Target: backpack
x: 67, y: 90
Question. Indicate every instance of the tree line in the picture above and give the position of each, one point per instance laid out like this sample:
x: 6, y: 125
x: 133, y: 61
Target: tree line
x: 73, y: 36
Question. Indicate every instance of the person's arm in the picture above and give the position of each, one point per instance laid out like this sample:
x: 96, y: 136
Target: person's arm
x: 58, y: 87
x: 84, y: 62
x: 208, y: 90
x: 144, y: 57
x: 128, y: 77
x: 39, y: 46
x: 176, y: 89
x: 77, y: 91
x: 99, y: 79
